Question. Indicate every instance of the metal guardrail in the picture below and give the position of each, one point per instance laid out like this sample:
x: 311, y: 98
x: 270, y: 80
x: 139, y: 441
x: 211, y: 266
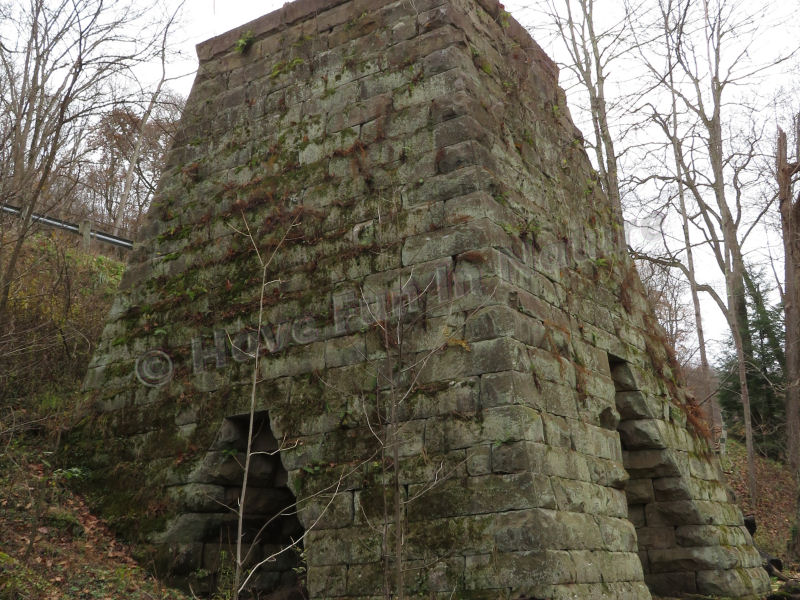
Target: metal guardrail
x: 71, y: 227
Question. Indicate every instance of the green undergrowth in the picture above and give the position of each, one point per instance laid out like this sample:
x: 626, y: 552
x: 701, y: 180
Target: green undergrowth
x: 51, y: 546
x: 56, y: 311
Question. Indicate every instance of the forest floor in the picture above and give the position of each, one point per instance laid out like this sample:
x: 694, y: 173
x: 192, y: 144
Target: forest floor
x: 53, y: 548
x: 776, y: 504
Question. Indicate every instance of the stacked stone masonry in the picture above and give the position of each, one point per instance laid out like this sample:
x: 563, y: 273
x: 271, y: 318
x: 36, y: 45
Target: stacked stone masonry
x: 452, y: 342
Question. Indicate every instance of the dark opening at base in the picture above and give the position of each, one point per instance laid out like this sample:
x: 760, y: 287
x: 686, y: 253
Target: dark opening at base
x: 271, y: 532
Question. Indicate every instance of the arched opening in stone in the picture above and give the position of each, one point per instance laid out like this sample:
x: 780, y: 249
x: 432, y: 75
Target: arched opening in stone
x: 270, y: 525
x: 655, y: 481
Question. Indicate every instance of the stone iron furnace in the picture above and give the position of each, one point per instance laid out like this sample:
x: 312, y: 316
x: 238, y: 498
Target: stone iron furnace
x: 458, y: 384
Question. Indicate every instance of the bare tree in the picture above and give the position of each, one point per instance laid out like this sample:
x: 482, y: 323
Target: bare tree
x: 666, y: 293
x: 125, y: 162
x: 703, y: 171
x: 594, y: 51
x: 705, y: 56
x: 591, y: 51
x: 140, y: 138
x: 59, y: 62
x: 787, y: 175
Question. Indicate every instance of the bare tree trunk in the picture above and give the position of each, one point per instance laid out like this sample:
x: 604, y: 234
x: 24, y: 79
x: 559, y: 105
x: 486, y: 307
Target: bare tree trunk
x: 590, y: 67
x: 687, y: 242
x: 734, y: 263
x: 752, y: 486
x: 790, y: 223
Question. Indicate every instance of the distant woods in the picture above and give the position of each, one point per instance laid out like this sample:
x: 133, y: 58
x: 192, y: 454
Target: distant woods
x: 83, y: 135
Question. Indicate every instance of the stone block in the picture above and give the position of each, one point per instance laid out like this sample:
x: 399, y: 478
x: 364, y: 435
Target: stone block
x: 404, y: 29
x: 295, y: 361
x: 454, y: 240
x: 712, y: 535
x: 704, y: 468
x: 680, y: 512
x: 529, y: 569
x: 552, y: 367
x: 618, y: 534
x: 479, y: 460
x: 668, y: 489
x: 190, y: 527
x: 328, y: 511
x: 365, y: 579
x: 619, y: 566
x: 607, y: 591
x: 669, y: 584
x: 486, y: 494
x: 199, y: 497
x: 343, y: 351
x: 349, y: 546
x: 326, y: 580
x: 498, y: 355
x: 463, y: 154
x: 517, y: 457
x: 596, y: 441
x: 461, y: 130
x: 635, y: 405
x: 656, y: 537
x: 654, y: 463
x: 433, y: 49
x: 441, y: 85
x: 510, y: 387
x: 637, y: 434
x: 438, y: 537
x: 590, y: 567
x: 503, y: 321
x: 557, y: 431
x: 219, y: 468
x: 636, y: 515
x: 585, y: 497
x: 734, y: 582
x: 699, y: 558
x: 459, y: 399
x: 497, y: 426
x: 639, y: 491
x: 608, y: 473
x: 448, y: 185
x: 480, y: 573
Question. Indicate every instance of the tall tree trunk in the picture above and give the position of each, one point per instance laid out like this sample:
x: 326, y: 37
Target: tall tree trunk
x: 752, y: 486
x: 790, y: 223
x: 734, y: 263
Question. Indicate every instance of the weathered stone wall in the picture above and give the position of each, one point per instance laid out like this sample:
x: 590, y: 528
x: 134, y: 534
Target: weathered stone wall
x: 452, y: 341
